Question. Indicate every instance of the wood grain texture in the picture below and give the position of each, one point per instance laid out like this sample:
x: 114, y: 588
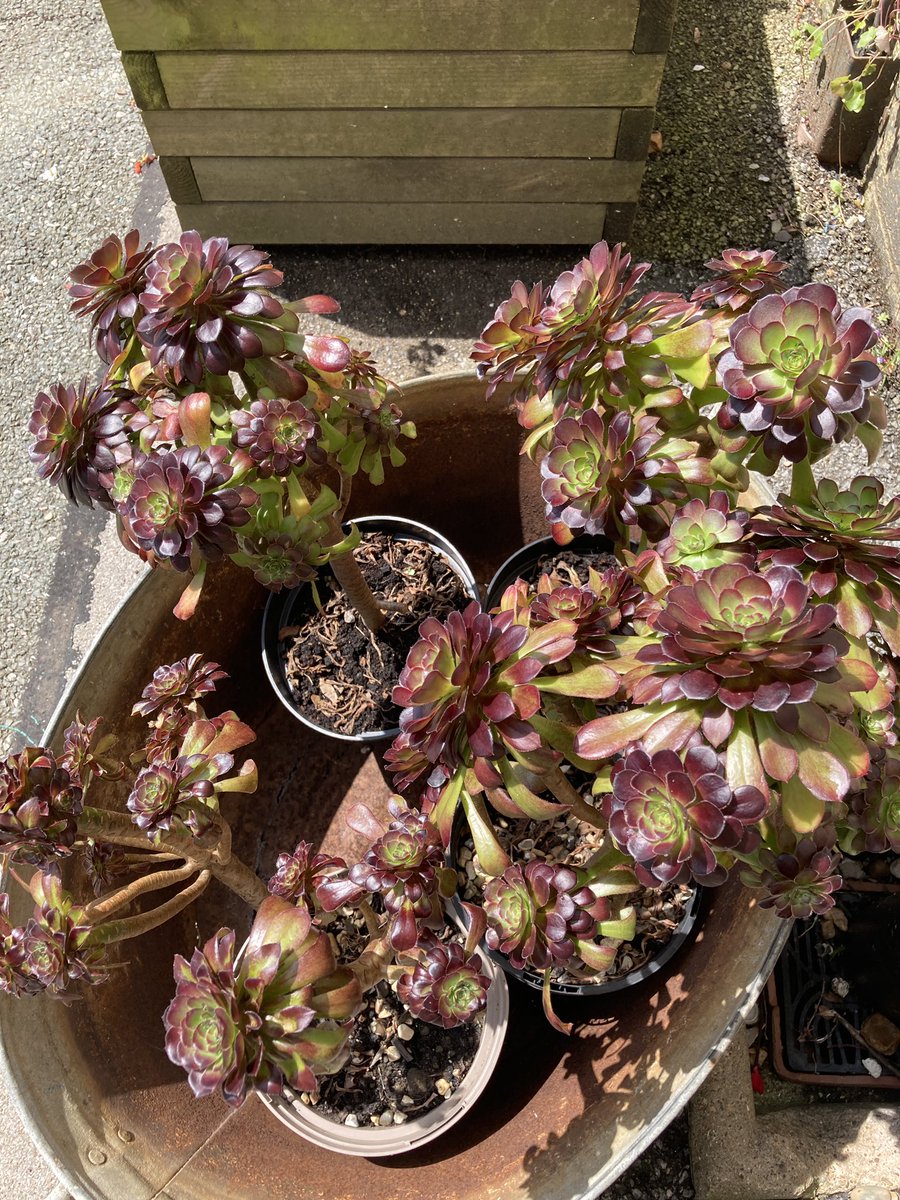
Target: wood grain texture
x: 447, y: 180
x: 143, y: 77
x: 180, y: 180
x: 364, y: 25
x: 451, y: 133
x: 368, y: 79
x: 398, y: 224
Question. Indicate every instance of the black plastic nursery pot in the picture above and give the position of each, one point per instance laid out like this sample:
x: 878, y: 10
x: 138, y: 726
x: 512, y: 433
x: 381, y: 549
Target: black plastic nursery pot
x: 687, y: 927
x: 560, y: 1118
x: 283, y: 609
x: 522, y: 563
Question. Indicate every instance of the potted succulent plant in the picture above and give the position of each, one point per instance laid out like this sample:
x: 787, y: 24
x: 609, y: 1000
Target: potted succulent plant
x: 855, y: 47
x: 741, y: 703
x: 283, y: 1012
x: 218, y: 429
x: 719, y: 698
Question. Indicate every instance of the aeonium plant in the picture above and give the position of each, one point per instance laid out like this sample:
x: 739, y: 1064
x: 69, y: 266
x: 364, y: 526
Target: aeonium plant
x: 275, y: 1012
x: 217, y: 429
x: 637, y: 403
x: 278, y: 1012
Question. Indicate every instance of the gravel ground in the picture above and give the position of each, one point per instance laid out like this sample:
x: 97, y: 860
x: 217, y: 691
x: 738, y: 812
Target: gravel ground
x: 733, y: 170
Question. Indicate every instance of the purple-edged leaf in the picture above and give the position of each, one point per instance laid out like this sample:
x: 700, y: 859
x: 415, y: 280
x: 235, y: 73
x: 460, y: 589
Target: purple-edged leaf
x: 477, y: 923
x: 588, y: 680
x: 362, y: 820
x: 605, y: 736
x: 328, y: 354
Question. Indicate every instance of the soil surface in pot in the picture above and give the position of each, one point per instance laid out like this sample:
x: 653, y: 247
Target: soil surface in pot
x: 399, y: 1067
x: 341, y: 675
x: 568, y: 568
x: 659, y: 911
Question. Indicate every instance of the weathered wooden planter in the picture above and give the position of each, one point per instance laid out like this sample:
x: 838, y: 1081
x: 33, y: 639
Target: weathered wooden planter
x: 397, y: 121
x: 841, y: 136
x: 560, y: 1119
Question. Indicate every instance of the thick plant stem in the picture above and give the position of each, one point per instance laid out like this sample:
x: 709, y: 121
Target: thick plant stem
x: 353, y: 585
x: 116, y: 827
x: 564, y: 792
x: 129, y: 927
x: 97, y: 910
x: 803, y: 482
x: 371, y: 966
x: 241, y: 880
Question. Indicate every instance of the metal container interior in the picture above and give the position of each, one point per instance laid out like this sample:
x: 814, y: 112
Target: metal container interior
x: 561, y: 1118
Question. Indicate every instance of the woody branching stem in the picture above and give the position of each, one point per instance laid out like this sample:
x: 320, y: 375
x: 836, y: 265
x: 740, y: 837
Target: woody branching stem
x: 116, y: 827
x: 97, y: 910
x: 566, y: 794
x: 129, y: 927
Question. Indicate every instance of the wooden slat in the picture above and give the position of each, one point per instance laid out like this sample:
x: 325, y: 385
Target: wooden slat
x: 479, y: 132
x: 417, y: 180
x: 146, y: 86
x: 180, y: 180
x: 397, y: 224
x: 274, y: 79
x: 364, y: 25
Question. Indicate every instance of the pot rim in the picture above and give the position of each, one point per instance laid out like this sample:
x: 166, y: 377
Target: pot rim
x: 279, y: 603
x: 375, y: 1142
x: 492, y: 599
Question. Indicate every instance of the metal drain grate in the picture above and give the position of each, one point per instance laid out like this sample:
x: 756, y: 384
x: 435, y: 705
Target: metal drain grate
x: 803, y: 977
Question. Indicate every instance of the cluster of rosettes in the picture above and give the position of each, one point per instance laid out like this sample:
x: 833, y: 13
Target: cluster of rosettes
x: 39, y: 806
x: 53, y: 950
x: 298, y: 876
x: 544, y: 915
x: 591, y: 333
x: 275, y: 1019
x: 186, y: 454
x: 598, y: 609
x: 706, y: 534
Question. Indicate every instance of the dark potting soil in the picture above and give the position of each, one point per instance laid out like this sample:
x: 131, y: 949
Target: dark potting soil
x: 569, y: 568
x: 399, y: 1067
x: 659, y: 910
x: 339, y: 673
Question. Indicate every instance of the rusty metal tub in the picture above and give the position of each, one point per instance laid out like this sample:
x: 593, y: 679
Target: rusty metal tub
x: 561, y: 1118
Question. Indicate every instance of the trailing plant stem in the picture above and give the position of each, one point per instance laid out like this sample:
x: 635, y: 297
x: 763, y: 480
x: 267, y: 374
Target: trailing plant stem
x: 129, y: 927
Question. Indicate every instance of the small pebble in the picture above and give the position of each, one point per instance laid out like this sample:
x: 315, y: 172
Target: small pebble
x: 400, y: 1118
x: 386, y: 1118
x: 443, y: 1086
x: 406, y: 1033
x: 873, y: 1067
x: 379, y: 1029
x: 393, y: 1054
x: 840, y: 987
x: 352, y: 1120
x: 895, y: 868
